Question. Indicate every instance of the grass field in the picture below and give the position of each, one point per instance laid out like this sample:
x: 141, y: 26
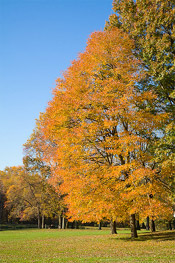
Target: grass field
x: 89, y: 245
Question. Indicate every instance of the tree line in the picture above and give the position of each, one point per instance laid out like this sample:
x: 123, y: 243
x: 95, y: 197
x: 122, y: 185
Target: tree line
x: 105, y: 144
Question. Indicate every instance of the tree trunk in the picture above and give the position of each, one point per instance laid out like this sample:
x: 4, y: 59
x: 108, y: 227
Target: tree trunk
x: 76, y: 224
x: 67, y: 223
x: 143, y: 225
x: 113, y: 227
x: 42, y: 222
x: 99, y: 226
x: 152, y: 226
x: 59, y: 222
x: 133, y: 226
x: 63, y: 222
x: 147, y: 223
x: 173, y: 223
x: 137, y: 225
x: 39, y: 221
x: 169, y: 225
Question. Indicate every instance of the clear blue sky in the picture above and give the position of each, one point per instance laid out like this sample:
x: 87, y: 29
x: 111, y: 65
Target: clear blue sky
x: 38, y: 40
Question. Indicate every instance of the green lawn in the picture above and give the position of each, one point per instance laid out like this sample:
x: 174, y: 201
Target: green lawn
x: 52, y: 245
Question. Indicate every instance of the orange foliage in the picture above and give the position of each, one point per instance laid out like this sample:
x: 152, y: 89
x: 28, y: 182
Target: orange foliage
x: 101, y: 128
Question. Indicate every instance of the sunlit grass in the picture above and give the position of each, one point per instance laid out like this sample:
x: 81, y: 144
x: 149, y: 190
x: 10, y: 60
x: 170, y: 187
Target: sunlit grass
x: 88, y: 245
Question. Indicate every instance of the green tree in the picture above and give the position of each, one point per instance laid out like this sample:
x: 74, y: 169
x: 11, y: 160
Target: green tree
x: 151, y: 24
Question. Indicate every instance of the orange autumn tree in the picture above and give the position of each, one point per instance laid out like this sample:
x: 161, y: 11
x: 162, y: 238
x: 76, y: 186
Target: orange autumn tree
x: 102, y: 127
x: 34, y: 163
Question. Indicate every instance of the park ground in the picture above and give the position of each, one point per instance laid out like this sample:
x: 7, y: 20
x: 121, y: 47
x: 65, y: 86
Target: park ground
x: 85, y: 245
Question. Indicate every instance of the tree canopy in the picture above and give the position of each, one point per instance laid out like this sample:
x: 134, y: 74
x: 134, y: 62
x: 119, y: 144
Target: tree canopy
x: 102, y: 126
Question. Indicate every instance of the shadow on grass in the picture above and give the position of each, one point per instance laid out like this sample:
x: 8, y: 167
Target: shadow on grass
x: 157, y: 236
x: 8, y: 227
